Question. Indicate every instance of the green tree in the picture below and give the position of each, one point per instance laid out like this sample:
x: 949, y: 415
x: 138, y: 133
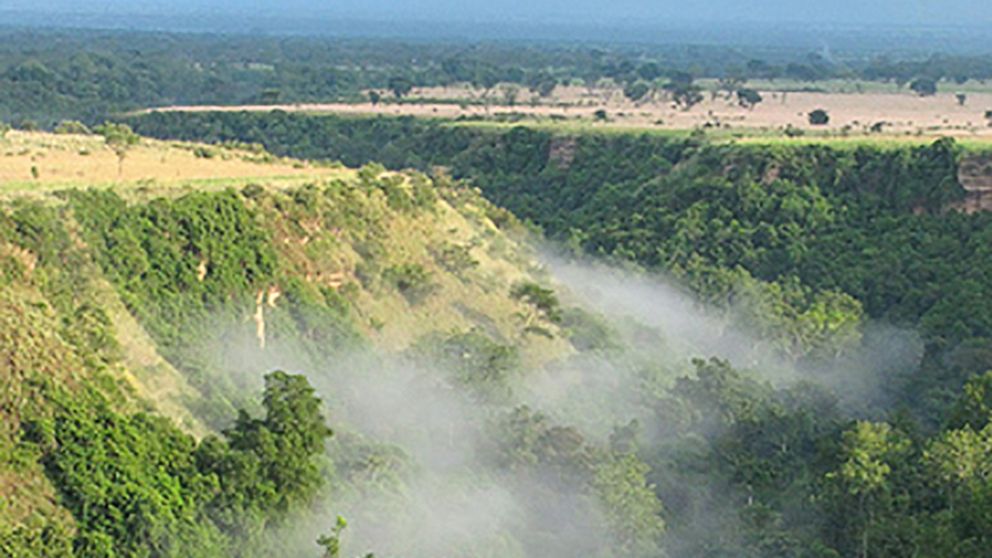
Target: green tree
x: 748, y: 98
x: 374, y: 97
x: 72, y: 127
x: 974, y: 407
x: 636, y: 91
x: 400, y: 86
x: 924, y: 86
x: 331, y: 543
x: 868, y: 452
x: 819, y: 117
x: 269, y: 464
x: 632, y: 509
x: 120, y: 138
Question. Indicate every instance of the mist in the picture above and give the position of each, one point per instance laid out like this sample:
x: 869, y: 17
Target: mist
x: 419, y: 467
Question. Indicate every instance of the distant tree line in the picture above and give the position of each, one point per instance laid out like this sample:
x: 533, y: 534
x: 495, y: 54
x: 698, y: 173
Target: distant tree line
x: 48, y: 76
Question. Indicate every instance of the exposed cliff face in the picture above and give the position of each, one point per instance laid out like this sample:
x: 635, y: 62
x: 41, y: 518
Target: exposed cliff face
x: 975, y: 175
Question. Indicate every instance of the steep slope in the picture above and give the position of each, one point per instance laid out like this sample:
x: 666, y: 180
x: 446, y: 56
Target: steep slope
x: 175, y: 295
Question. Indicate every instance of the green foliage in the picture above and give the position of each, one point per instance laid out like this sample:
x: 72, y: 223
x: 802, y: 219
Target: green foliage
x: 637, y: 90
x: 455, y: 258
x: 400, y: 86
x: 72, y: 127
x: 332, y: 543
x: 130, y: 483
x: 267, y: 467
x: 819, y: 117
x: 413, y: 281
x: 191, y: 269
x: 631, y: 507
x: 476, y: 361
x: 119, y: 138
x: 542, y: 299
x: 924, y: 87
x: 748, y: 98
x: 137, y: 486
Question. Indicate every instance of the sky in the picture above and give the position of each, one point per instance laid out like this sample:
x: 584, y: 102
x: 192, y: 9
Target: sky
x: 811, y: 12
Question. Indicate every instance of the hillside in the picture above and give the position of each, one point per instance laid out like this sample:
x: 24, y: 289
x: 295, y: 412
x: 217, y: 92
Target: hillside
x: 174, y: 287
x: 211, y: 350
x: 849, y: 280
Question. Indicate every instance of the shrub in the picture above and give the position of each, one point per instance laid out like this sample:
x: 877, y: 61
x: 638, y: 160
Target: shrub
x: 819, y: 117
x: 72, y: 127
x: 412, y: 281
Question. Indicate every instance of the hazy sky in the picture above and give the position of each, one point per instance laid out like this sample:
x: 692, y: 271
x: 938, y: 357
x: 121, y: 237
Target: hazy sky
x: 898, y: 12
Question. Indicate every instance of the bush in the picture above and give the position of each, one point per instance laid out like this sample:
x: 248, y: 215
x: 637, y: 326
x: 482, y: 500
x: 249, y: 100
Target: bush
x: 202, y: 152
x: 412, y: 281
x: 819, y: 117
x: 72, y: 127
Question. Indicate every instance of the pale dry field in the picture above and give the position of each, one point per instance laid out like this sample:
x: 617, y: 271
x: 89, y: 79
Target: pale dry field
x: 902, y: 113
x: 84, y: 160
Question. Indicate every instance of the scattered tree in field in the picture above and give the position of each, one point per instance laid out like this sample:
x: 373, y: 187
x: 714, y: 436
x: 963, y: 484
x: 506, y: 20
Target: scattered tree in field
x: 600, y: 115
x: 684, y: 92
x: 687, y: 97
x: 375, y: 97
x: 486, y: 80
x: 510, y: 94
x: 542, y: 83
x: 120, y: 138
x: 819, y: 117
x: 748, y: 98
x: 924, y: 87
x: 730, y: 84
x: 637, y: 90
x: 962, y: 98
x: 400, y: 86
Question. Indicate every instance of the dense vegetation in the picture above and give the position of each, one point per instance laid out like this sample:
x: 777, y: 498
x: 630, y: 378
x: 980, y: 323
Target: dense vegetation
x: 813, y: 241
x: 132, y: 483
x: 109, y: 72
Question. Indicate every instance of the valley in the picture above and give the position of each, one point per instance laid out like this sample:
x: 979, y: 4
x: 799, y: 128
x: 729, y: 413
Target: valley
x: 313, y: 296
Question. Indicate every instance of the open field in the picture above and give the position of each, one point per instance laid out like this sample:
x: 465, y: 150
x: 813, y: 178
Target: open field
x: 851, y: 114
x: 60, y: 161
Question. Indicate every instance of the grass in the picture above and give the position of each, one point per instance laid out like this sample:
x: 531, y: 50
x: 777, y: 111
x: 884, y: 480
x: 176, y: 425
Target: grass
x: 41, y: 162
